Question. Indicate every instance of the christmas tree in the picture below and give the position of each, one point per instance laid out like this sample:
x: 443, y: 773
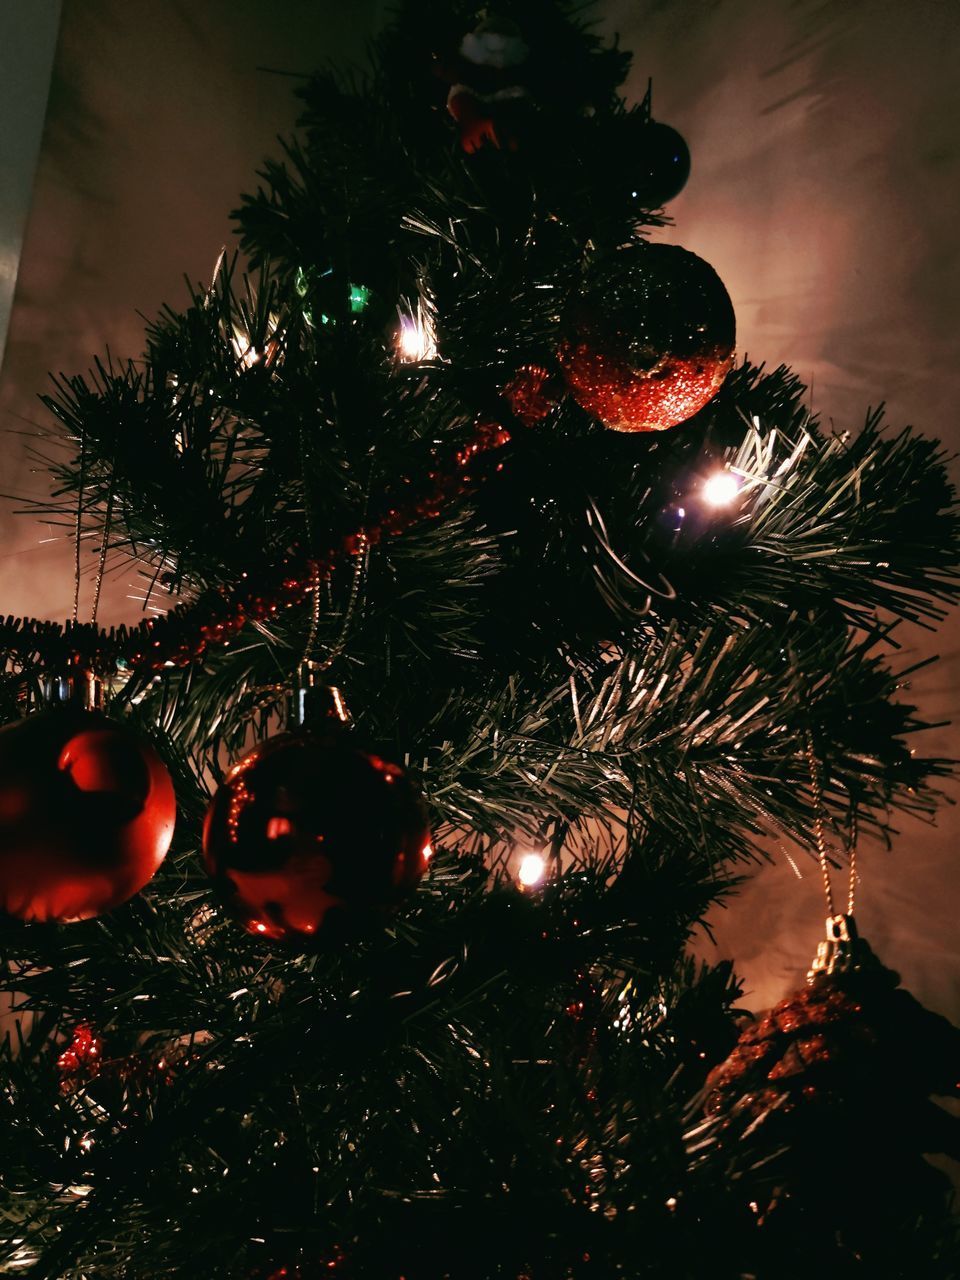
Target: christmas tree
x: 500, y: 617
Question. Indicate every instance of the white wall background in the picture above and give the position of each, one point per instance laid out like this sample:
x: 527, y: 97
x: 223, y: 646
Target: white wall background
x: 28, y: 37
x: 825, y: 190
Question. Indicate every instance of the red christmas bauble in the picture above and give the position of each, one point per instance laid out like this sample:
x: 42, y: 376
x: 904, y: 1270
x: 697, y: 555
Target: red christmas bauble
x: 649, y: 340
x: 304, y: 832
x: 87, y: 812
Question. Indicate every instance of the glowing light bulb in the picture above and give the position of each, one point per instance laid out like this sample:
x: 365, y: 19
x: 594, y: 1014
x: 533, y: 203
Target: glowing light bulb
x: 533, y: 867
x: 721, y: 489
x: 415, y: 339
x: 244, y: 350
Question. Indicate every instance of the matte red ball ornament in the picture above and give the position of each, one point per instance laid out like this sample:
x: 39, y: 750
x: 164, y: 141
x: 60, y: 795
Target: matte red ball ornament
x: 87, y: 812
x: 650, y: 338
x: 306, y: 835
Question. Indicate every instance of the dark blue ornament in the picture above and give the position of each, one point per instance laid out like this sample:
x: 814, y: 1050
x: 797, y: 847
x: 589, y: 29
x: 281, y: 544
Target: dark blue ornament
x: 654, y: 161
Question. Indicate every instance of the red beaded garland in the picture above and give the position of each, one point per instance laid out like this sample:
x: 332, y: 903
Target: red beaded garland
x: 82, y: 1056
x: 185, y: 633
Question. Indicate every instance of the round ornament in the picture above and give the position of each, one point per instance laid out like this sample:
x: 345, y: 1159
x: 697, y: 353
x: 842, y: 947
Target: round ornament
x: 87, y: 812
x: 305, y: 832
x: 650, y: 338
x: 845, y: 1065
x: 325, y: 296
x: 649, y: 161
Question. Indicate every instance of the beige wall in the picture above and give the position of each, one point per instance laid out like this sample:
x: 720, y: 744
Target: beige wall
x: 826, y: 191
x: 825, y: 187
x: 28, y: 38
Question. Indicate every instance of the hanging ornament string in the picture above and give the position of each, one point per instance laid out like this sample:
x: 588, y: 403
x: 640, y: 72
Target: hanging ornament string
x: 78, y: 531
x: 819, y: 833
x: 317, y: 576
x: 102, y: 563
x: 310, y: 656
x: 852, y: 856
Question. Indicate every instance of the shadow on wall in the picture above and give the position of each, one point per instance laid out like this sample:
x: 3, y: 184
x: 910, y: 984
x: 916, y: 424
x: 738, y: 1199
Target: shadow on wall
x: 26, y: 59
x: 826, y: 172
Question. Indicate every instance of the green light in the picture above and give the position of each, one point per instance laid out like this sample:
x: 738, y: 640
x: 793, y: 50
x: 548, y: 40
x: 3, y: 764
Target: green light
x: 313, y: 287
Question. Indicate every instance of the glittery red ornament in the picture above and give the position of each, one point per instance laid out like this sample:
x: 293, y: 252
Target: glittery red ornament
x: 87, y: 812
x: 532, y: 393
x: 820, y: 1116
x: 649, y: 340
x: 304, y: 832
x: 331, y: 1263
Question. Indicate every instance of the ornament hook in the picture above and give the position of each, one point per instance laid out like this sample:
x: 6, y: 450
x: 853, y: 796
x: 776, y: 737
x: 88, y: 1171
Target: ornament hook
x: 843, y: 950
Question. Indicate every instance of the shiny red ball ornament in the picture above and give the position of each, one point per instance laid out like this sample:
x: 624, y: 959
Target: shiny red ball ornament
x: 650, y: 338
x: 306, y: 835
x: 87, y: 812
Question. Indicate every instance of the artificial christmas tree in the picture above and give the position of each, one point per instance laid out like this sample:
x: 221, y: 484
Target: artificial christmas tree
x: 376, y: 1041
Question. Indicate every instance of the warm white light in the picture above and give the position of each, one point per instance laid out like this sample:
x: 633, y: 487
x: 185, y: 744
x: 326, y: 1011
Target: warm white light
x: 721, y: 489
x: 244, y: 350
x: 533, y: 867
x: 243, y: 347
x: 250, y: 357
x: 415, y: 339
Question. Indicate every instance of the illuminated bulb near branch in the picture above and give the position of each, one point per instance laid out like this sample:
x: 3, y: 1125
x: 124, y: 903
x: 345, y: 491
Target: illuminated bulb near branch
x: 721, y: 489
x: 243, y: 346
x: 533, y: 867
x: 245, y: 352
x: 416, y: 339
